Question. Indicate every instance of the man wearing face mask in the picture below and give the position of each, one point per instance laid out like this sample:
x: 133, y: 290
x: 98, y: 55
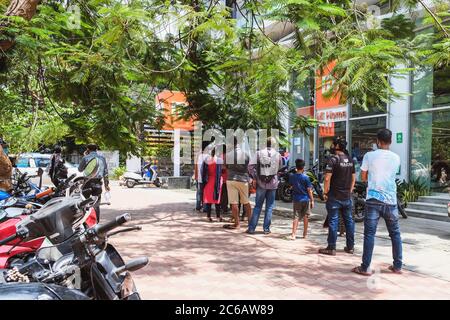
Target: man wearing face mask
x: 338, y: 185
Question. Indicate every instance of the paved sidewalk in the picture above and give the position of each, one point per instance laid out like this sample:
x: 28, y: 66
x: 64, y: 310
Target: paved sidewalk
x: 193, y: 259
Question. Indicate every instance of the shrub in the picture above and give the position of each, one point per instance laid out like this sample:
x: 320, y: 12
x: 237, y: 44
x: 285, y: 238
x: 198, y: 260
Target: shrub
x: 118, y: 172
x: 411, y: 191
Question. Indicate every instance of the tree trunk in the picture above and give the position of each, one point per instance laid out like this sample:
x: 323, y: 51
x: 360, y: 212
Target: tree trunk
x: 20, y: 8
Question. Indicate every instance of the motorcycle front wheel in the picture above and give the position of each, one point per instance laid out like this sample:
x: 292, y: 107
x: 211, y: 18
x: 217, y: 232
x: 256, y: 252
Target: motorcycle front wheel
x: 285, y: 192
x: 358, y: 209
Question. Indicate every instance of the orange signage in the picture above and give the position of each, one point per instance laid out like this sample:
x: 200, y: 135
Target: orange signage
x: 326, y: 130
x: 306, y: 111
x: 170, y: 102
x: 324, y: 81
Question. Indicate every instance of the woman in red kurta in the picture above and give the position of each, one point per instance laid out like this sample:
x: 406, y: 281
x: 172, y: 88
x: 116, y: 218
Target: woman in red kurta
x: 212, y: 174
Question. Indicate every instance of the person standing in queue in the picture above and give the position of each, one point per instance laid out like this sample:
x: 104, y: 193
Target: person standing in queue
x: 379, y: 168
x: 236, y: 161
x: 95, y: 169
x: 263, y: 170
x: 338, y: 186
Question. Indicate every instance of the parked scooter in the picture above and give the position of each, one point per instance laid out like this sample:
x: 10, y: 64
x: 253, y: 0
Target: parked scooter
x: 147, y: 175
x: 80, y: 265
x: 284, y: 191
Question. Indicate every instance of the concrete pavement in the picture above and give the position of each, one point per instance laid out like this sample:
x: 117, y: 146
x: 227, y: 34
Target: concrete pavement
x: 194, y: 259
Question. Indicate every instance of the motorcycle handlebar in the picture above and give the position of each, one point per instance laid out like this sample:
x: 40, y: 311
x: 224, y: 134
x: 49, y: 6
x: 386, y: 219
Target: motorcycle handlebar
x: 102, y: 229
x: 21, y: 233
x: 84, y: 203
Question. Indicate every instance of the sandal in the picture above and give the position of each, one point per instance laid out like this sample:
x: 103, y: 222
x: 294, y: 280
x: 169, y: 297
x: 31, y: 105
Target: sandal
x: 230, y: 226
x: 396, y: 271
x: 360, y: 271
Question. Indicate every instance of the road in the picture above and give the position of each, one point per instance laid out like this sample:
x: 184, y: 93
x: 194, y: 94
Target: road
x: 194, y: 259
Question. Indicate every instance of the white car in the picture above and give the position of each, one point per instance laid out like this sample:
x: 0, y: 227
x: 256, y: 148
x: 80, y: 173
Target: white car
x: 31, y: 162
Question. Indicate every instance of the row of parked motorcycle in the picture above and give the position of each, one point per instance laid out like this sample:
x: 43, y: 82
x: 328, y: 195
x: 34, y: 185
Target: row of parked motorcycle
x: 52, y: 248
x: 284, y: 191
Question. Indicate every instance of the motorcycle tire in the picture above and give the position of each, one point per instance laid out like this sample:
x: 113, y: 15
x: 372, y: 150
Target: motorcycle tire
x: 286, y: 192
x: 130, y: 183
x: 358, y: 209
x: 401, y: 209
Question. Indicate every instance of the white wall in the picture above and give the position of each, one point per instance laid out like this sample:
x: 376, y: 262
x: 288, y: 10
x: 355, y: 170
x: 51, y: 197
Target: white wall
x: 398, y: 122
x: 133, y: 163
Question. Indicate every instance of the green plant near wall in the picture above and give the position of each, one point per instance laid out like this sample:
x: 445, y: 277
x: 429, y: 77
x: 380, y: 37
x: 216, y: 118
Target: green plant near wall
x: 118, y: 172
x: 411, y: 191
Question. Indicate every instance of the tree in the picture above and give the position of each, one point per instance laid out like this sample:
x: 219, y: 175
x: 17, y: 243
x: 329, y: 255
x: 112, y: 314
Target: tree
x: 19, y: 8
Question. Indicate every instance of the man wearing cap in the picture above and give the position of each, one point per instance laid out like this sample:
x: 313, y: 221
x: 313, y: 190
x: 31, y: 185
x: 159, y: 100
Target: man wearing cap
x: 338, y: 186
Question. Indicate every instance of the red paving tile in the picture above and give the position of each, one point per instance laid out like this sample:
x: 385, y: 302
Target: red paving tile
x: 193, y: 259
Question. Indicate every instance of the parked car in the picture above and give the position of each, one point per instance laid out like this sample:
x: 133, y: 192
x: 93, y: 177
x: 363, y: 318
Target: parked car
x: 31, y: 162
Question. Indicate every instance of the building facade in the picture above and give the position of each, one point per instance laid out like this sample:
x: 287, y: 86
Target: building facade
x: 419, y: 121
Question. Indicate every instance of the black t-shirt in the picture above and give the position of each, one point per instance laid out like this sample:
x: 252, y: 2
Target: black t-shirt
x: 342, y: 168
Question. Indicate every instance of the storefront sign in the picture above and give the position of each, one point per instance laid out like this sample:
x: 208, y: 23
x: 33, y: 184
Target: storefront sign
x: 332, y: 114
x: 326, y: 130
x: 399, y: 137
x: 324, y: 82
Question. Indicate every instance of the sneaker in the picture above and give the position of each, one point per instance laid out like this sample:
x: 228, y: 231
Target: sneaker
x: 327, y: 251
x: 349, y: 251
x: 267, y: 232
x: 249, y: 232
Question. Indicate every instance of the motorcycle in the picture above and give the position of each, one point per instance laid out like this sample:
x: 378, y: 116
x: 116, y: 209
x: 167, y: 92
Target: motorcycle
x: 11, y: 219
x: 359, y: 202
x: 284, y: 191
x: 80, y: 264
x: 22, y: 187
x: 147, y: 175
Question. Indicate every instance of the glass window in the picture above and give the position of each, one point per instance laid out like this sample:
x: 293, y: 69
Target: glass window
x: 363, y: 138
x: 326, y: 134
x: 431, y: 87
x: 359, y: 112
x: 23, y: 163
x: 42, y: 162
x: 430, y: 148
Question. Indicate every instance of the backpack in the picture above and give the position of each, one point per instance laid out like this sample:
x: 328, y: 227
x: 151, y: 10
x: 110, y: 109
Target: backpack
x: 268, y: 163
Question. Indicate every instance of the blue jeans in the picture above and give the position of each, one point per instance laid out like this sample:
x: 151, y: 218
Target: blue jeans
x: 389, y: 212
x: 335, y: 208
x: 269, y: 197
x: 199, y: 195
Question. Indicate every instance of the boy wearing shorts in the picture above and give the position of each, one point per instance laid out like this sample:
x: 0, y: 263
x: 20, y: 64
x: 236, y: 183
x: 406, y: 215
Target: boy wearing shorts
x: 302, y: 197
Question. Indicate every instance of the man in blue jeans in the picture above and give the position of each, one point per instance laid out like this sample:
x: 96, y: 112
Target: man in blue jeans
x: 263, y: 170
x: 339, y: 183
x: 379, y: 168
